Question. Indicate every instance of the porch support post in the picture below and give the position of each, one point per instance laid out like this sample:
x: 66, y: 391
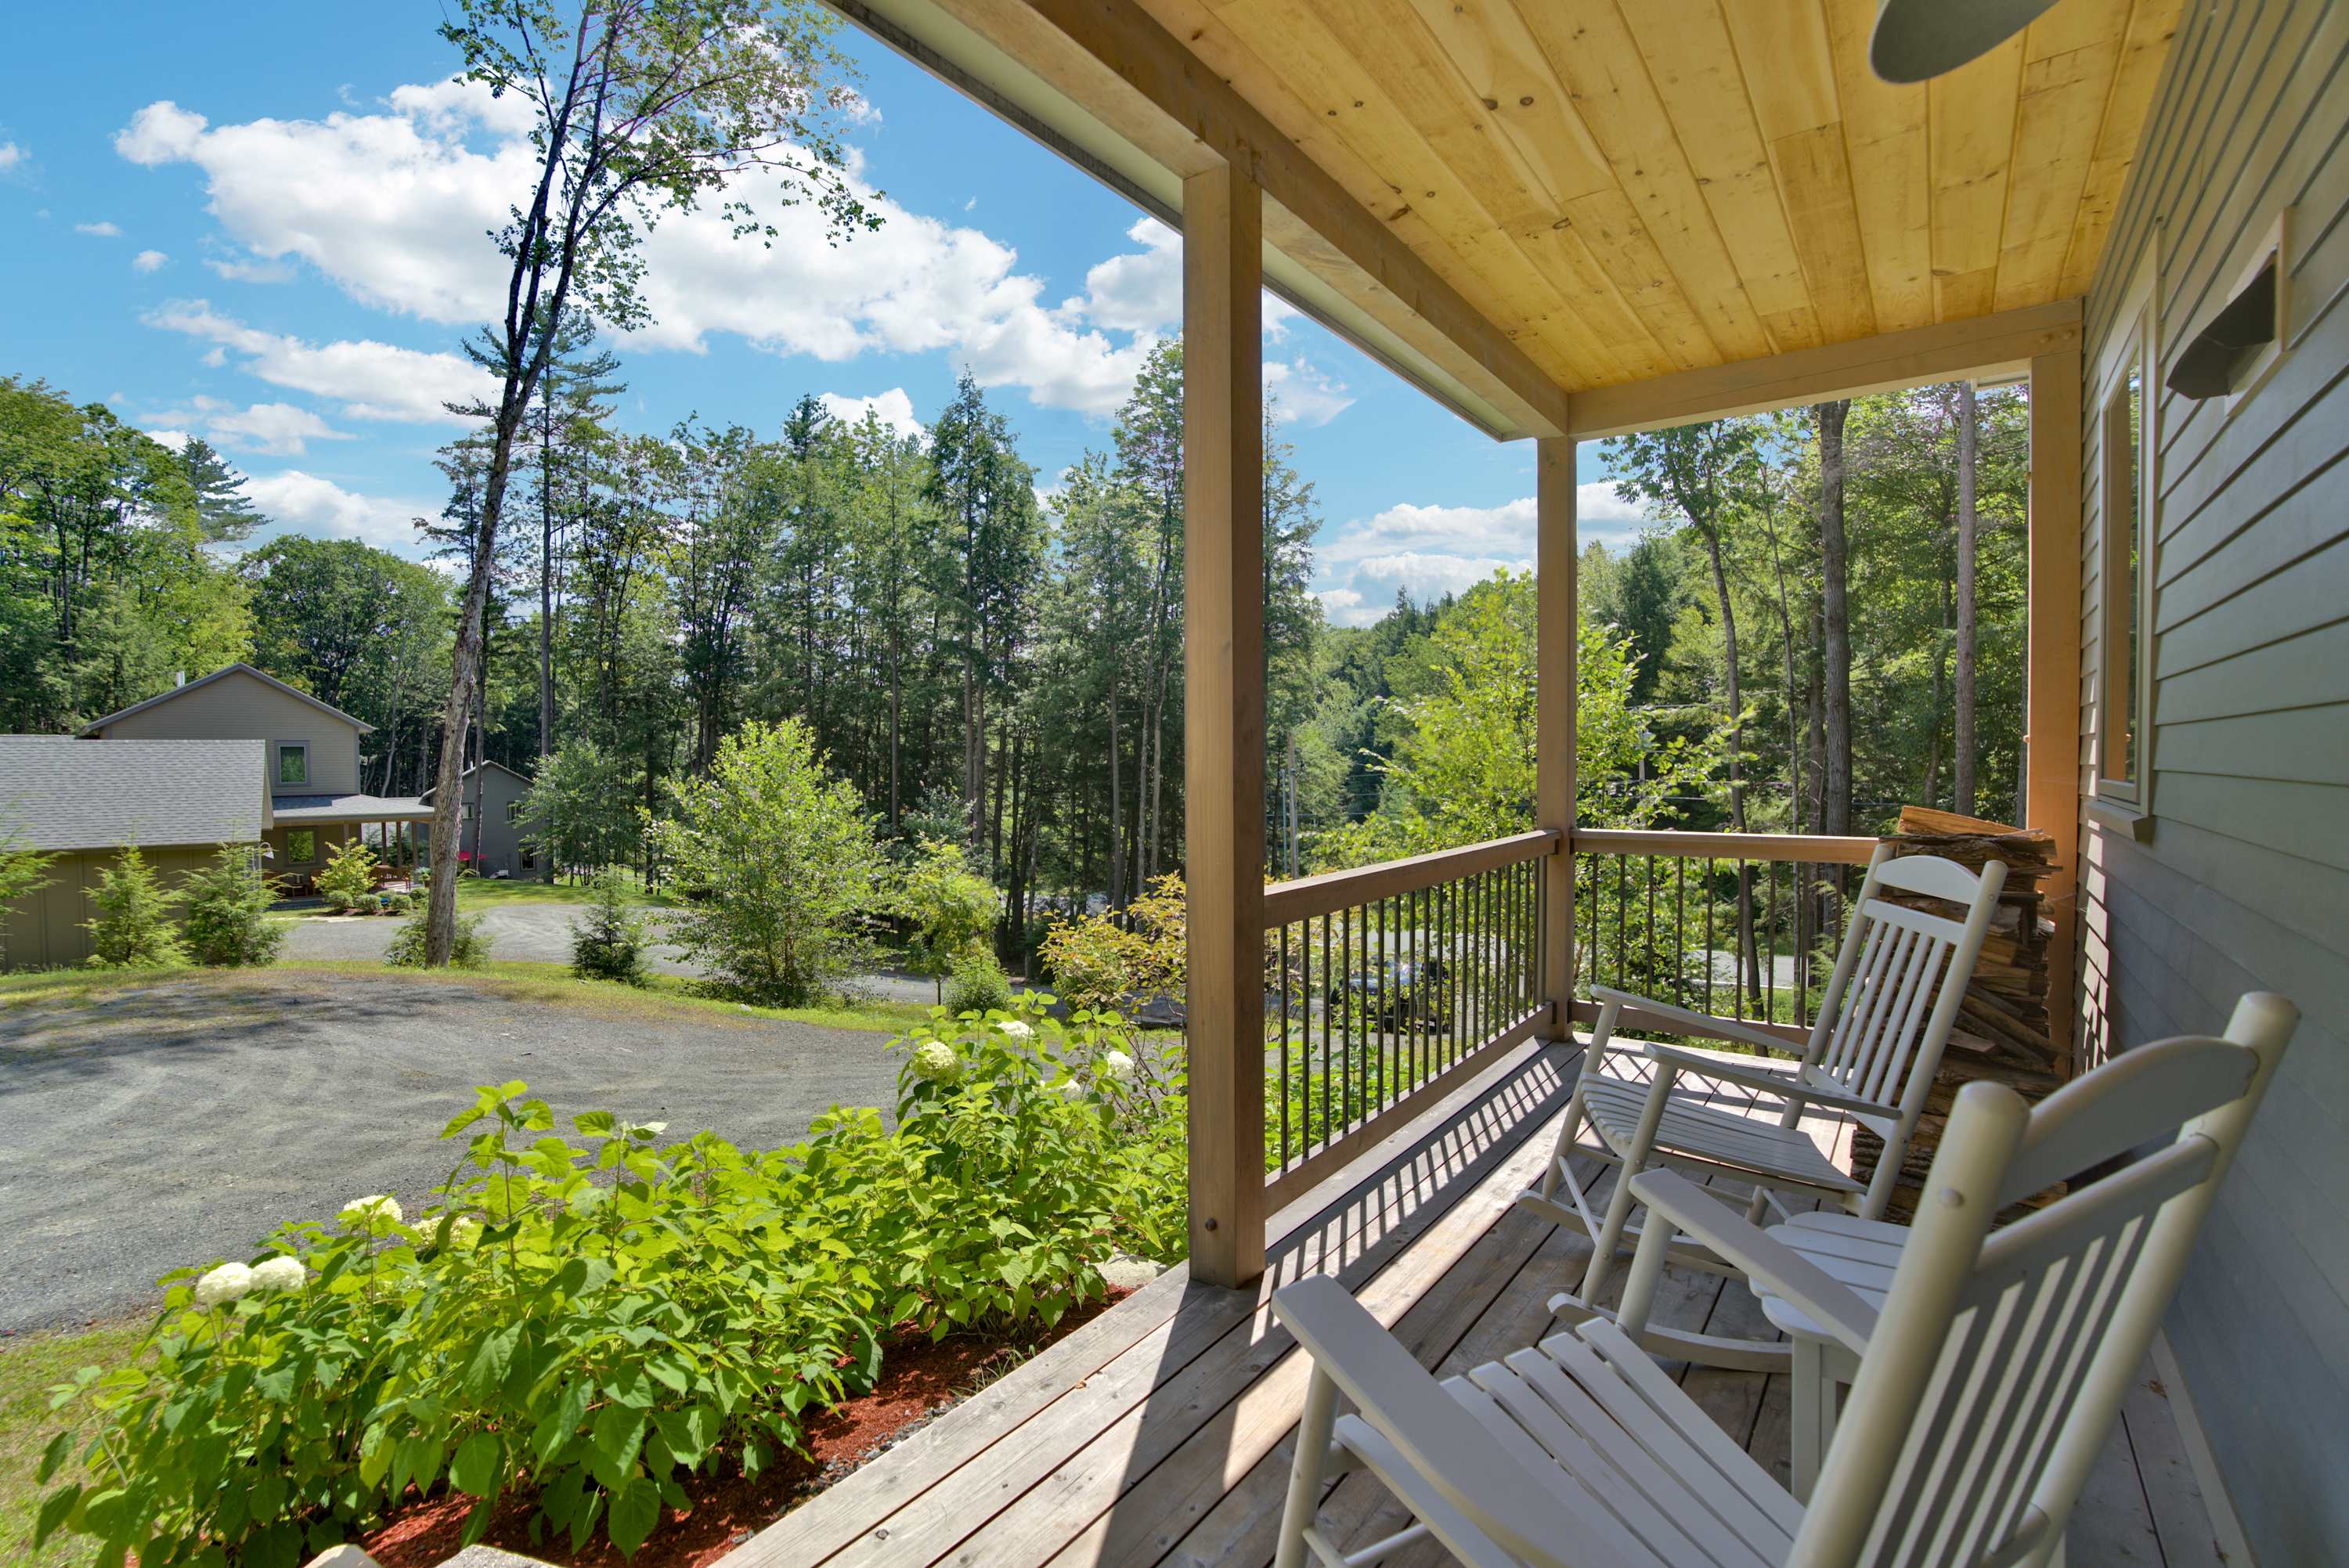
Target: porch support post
x: 1223, y: 710
x: 2052, y: 723
x: 1555, y: 678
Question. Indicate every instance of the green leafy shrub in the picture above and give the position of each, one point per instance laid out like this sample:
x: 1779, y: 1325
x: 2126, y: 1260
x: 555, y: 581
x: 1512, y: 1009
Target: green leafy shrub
x: 131, y: 926
x: 467, y: 948
x: 1104, y: 960
x: 778, y: 856
x: 347, y: 880
x: 227, y: 922
x: 980, y: 986
x: 597, y: 1318
x: 22, y: 873
x: 952, y: 909
x: 610, y: 943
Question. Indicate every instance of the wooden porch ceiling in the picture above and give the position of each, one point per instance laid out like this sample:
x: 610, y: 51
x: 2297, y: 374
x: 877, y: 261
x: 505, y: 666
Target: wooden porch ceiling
x: 1618, y: 191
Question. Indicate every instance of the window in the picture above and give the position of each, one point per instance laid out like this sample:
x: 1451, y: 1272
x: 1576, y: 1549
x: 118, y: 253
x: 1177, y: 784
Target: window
x: 293, y: 764
x: 2128, y: 432
x: 301, y: 846
x: 514, y: 812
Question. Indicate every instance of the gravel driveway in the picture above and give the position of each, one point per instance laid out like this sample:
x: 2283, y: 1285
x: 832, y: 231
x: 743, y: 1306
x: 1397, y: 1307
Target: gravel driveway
x: 181, y: 1122
x: 534, y: 933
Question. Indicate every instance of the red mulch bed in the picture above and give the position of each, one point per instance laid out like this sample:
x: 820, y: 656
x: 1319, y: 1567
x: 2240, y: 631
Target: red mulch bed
x: 918, y: 1380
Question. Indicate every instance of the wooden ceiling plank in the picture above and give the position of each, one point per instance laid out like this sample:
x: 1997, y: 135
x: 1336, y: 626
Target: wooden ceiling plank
x: 2152, y: 24
x: 1972, y: 114
x: 1387, y: 47
x: 1593, y: 57
x: 1496, y: 63
x: 1418, y: 183
x: 2057, y: 121
x: 1789, y: 68
x: 1686, y: 51
x: 1816, y: 183
x: 1919, y: 357
x: 1884, y: 139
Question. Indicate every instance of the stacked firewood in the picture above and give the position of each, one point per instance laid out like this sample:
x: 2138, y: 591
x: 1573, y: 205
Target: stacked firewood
x: 2003, y: 1030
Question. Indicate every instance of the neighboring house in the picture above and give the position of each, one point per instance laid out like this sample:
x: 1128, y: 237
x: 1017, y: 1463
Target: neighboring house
x: 503, y: 839
x: 177, y: 800
x: 311, y: 759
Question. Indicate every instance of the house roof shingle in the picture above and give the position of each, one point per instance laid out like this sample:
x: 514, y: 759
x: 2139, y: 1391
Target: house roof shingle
x: 61, y: 793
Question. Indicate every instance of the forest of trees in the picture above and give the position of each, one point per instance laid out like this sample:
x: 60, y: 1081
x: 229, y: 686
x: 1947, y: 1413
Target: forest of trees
x: 1006, y: 672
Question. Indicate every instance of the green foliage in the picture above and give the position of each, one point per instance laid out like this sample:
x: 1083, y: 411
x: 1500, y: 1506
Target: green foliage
x: 469, y: 949
x: 131, y: 926
x: 227, y: 920
x: 979, y: 984
x: 951, y: 907
x: 610, y: 943
x: 23, y: 873
x: 780, y: 857
x: 579, y: 809
x: 1104, y: 960
x: 347, y: 880
x: 595, y: 1317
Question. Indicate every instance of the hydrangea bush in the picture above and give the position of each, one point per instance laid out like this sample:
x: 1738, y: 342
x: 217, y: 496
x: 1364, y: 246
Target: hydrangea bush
x: 592, y: 1318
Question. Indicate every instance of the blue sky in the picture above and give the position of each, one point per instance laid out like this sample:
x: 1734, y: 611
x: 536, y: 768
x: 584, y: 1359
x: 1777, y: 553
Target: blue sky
x: 265, y: 226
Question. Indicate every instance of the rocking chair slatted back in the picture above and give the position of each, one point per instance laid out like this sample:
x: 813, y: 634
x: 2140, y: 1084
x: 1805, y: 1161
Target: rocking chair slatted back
x: 1893, y: 996
x: 2002, y: 1360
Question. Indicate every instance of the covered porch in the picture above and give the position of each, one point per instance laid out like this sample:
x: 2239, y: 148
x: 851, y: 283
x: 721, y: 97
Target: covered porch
x: 1566, y: 223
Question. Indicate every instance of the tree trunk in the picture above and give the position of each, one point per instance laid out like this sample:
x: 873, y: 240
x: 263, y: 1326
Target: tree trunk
x: 1969, y: 531
x: 1835, y: 813
x: 1116, y: 859
x: 546, y: 570
x: 1748, y: 949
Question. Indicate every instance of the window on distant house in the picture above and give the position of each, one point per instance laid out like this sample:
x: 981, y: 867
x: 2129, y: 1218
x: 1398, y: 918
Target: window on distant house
x: 2126, y: 432
x: 293, y: 764
x: 301, y: 846
x: 514, y: 812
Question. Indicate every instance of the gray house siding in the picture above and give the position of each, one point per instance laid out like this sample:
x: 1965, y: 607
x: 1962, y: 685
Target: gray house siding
x: 2241, y: 882
x: 503, y: 838
x: 239, y: 705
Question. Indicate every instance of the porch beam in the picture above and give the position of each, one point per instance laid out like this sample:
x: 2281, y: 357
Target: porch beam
x: 1222, y: 716
x: 1556, y: 675
x: 1985, y: 349
x: 2051, y: 719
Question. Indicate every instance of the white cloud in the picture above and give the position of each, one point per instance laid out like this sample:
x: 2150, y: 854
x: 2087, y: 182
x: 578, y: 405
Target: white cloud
x: 1430, y: 551
x: 11, y: 155
x: 392, y: 207
x: 243, y: 271
x: 149, y: 262
x: 372, y: 380
x: 174, y: 439
x: 104, y: 230
x: 310, y: 504
x: 895, y: 407
x: 1302, y: 393
x: 279, y: 429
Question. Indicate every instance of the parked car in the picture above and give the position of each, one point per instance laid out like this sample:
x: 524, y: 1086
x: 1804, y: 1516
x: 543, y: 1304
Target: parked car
x: 1400, y: 993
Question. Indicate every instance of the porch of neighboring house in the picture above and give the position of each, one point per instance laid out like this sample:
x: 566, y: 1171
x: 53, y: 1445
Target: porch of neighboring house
x: 308, y: 831
x: 1159, y: 1433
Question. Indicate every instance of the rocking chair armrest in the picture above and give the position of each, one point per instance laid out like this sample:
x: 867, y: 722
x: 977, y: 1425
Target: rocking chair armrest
x: 1691, y: 1023
x: 1527, y: 1515
x: 1778, y: 1083
x: 1770, y: 1263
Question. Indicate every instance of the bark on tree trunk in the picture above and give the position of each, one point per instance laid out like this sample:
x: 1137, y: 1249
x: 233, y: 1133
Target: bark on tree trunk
x: 546, y: 570
x: 1969, y: 540
x: 1749, y: 952
x: 1834, y: 814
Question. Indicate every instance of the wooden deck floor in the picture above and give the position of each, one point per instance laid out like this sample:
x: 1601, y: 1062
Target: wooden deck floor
x: 1159, y: 1434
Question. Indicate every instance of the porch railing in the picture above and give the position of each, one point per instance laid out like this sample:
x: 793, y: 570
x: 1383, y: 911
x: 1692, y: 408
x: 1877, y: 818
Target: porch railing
x: 1391, y: 982
x: 1737, y: 926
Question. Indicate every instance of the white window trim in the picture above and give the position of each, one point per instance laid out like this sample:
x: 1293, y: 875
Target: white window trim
x: 2135, y: 341
x: 279, y: 763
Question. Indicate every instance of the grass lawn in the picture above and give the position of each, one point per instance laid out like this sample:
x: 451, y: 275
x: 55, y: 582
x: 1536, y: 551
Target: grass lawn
x: 488, y: 893
x: 30, y: 1364
x: 665, y: 994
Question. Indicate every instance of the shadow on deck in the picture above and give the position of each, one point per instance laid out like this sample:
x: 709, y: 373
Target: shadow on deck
x: 1159, y: 1433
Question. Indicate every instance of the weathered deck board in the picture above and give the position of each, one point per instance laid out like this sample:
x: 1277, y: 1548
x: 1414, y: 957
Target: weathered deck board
x: 1161, y: 1433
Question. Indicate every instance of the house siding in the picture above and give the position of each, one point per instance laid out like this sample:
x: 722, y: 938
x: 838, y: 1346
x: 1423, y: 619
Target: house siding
x: 45, y: 929
x: 237, y: 707
x: 2243, y: 882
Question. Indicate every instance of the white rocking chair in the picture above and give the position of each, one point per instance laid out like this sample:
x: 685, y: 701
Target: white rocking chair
x: 1989, y: 1379
x: 1884, y: 1016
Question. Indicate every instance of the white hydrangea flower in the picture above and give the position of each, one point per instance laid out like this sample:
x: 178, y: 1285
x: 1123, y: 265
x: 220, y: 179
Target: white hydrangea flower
x: 1071, y: 1088
x: 228, y: 1283
x: 464, y: 1230
x: 936, y: 1060
x: 1016, y: 1029
x: 1115, y: 1066
x: 279, y: 1273
x: 366, y: 1213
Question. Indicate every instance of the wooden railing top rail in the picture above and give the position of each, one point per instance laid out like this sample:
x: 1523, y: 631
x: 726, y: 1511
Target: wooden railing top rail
x: 1306, y: 897
x: 1806, y: 849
